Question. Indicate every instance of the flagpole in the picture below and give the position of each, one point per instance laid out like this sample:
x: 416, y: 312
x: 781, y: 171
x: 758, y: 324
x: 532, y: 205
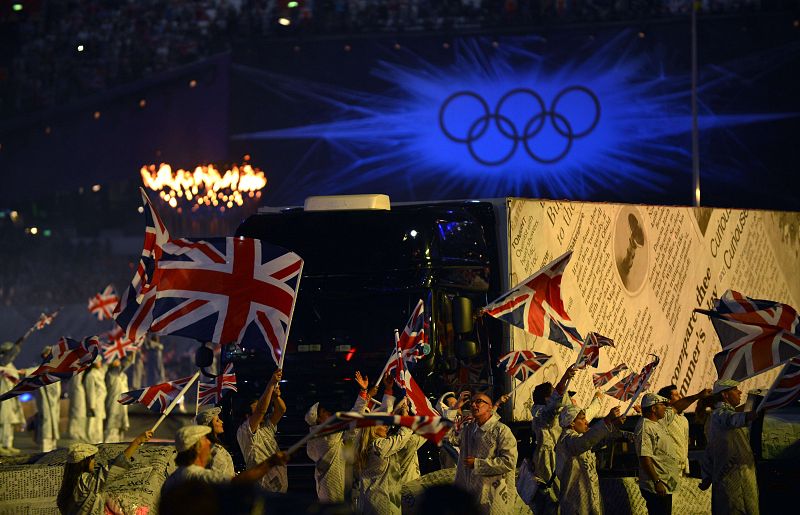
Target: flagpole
x: 197, y: 399
x: 393, y: 353
x: 580, y: 355
x: 291, y: 316
x: 772, y: 387
x: 175, y: 401
x: 401, y: 377
x: 519, y: 385
x: 639, y: 389
x: 33, y: 327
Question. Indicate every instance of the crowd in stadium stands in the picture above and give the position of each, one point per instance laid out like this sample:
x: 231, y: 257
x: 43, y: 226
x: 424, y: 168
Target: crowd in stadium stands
x: 119, y: 42
x: 125, y: 41
x: 31, y: 273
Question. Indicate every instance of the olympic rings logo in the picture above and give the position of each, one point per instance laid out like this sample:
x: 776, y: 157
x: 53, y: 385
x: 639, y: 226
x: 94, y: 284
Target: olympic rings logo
x: 533, y: 127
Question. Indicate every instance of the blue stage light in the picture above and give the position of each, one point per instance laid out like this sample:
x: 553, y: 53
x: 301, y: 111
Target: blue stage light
x: 505, y: 120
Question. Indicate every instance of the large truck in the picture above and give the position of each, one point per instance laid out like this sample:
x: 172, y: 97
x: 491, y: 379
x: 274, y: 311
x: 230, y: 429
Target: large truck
x: 364, y: 271
x: 636, y: 275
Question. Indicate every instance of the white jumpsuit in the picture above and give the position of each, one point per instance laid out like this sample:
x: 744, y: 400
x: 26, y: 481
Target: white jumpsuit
x: 116, y: 414
x: 10, y: 410
x: 329, y: 464
x: 491, y: 480
x: 47, y: 402
x: 76, y: 425
x: 730, y: 463
x: 89, y: 497
x: 677, y: 426
x: 257, y: 447
x: 95, y: 385
x: 577, y: 470
x: 221, y: 461
x: 379, y: 493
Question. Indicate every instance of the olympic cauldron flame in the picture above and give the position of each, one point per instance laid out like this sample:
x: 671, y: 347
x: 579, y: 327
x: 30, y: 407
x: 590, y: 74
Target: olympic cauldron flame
x: 206, y: 186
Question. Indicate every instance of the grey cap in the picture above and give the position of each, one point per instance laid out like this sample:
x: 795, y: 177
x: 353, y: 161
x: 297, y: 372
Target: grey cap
x: 568, y: 415
x: 651, y: 399
x: 80, y: 451
x: 724, y: 384
x: 187, y: 436
x: 205, y: 416
x: 311, y: 414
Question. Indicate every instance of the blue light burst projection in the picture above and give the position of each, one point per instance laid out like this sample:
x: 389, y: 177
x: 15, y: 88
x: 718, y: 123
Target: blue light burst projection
x: 508, y: 120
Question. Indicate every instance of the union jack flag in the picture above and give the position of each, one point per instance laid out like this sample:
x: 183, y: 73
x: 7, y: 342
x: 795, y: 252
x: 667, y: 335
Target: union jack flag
x: 602, y: 378
x: 632, y: 385
x: 221, y: 290
x: 420, y: 403
x: 68, y: 357
x: 157, y: 397
x: 749, y: 350
x: 118, y: 345
x: 590, y: 355
x: 433, y: 428
x: 45, y: 320
x: 410, y: 346
x: 102, y: 304
x: 535, y: 305
x: 414, y: 338
x: 740, y: 308
x: 785, y: 390
x: 623, y: 389
x: 521, y: 364
x: 211, y: 392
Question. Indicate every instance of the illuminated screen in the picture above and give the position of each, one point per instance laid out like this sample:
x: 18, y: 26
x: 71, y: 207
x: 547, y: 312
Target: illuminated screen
x: 576, y: 115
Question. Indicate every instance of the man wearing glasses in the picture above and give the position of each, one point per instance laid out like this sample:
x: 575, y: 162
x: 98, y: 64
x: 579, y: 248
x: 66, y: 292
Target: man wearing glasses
x: 487, y: 460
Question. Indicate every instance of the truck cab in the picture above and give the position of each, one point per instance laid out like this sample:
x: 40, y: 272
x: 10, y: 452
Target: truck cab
x: 364, y: 271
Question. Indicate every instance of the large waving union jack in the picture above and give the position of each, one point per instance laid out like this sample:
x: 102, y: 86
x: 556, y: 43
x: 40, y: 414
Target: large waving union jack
x: 68, y: 357
x: 211, y: 392
x: 749, y: 350
x: 756, y: 335
x: 157, y: 397
x: 785, y: 390
x: 590, y: 355
x: 433, y: 428
x: 535, y: 305
x: 740, y: 308
x: 222, y: 290
x: 102, y: 304
x: 602, y: 378
x: 521, y: 364
x: 226, y: 290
